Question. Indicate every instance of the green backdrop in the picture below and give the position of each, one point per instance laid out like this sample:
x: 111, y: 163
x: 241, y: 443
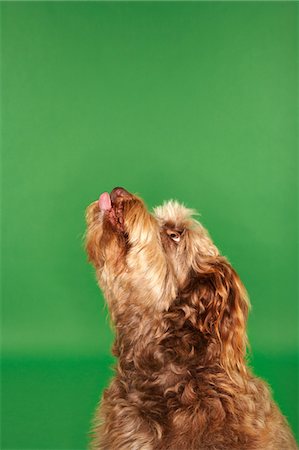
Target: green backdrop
x: 193, y: 101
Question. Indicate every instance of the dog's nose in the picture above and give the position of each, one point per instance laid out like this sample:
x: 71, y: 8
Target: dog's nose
x: 119, y: 192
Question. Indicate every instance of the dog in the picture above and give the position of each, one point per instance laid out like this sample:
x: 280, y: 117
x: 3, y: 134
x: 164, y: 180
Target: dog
x: 179, y: 311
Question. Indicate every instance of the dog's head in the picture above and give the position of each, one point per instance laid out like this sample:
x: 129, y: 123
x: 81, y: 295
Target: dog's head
x: 165, y: 258
x: 123, y: 236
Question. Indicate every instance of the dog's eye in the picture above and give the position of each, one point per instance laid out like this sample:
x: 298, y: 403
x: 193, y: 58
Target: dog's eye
x: 174, y: 235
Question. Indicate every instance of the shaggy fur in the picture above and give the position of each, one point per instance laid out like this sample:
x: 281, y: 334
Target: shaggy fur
x: 179, y: 311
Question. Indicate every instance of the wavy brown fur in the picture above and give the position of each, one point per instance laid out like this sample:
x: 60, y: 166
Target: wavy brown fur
x: 179, y: 311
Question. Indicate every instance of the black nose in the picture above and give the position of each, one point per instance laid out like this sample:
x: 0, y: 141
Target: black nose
x: 119, y: 192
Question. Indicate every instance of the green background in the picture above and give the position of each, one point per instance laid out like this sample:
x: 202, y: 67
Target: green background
x: 193, y: 101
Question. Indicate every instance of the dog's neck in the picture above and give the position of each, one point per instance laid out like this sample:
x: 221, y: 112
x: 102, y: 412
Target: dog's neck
x: 151, y: 342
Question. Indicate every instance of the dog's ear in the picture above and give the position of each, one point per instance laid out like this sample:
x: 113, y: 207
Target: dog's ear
x: 222, y: 307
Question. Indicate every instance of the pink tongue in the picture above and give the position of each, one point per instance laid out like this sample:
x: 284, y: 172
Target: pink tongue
x: 105, y: 202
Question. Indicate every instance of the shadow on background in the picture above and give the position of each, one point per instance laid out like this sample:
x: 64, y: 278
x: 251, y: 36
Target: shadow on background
x: 48, y: 404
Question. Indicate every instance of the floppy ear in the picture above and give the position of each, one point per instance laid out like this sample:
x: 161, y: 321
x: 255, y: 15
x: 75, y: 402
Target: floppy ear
x: 222, y: 309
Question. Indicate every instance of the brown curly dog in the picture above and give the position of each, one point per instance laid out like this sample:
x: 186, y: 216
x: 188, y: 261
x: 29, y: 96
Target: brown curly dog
x: 179, y: 311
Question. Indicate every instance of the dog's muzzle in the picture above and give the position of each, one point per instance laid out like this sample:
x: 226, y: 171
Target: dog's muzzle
x: 118, y: 195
